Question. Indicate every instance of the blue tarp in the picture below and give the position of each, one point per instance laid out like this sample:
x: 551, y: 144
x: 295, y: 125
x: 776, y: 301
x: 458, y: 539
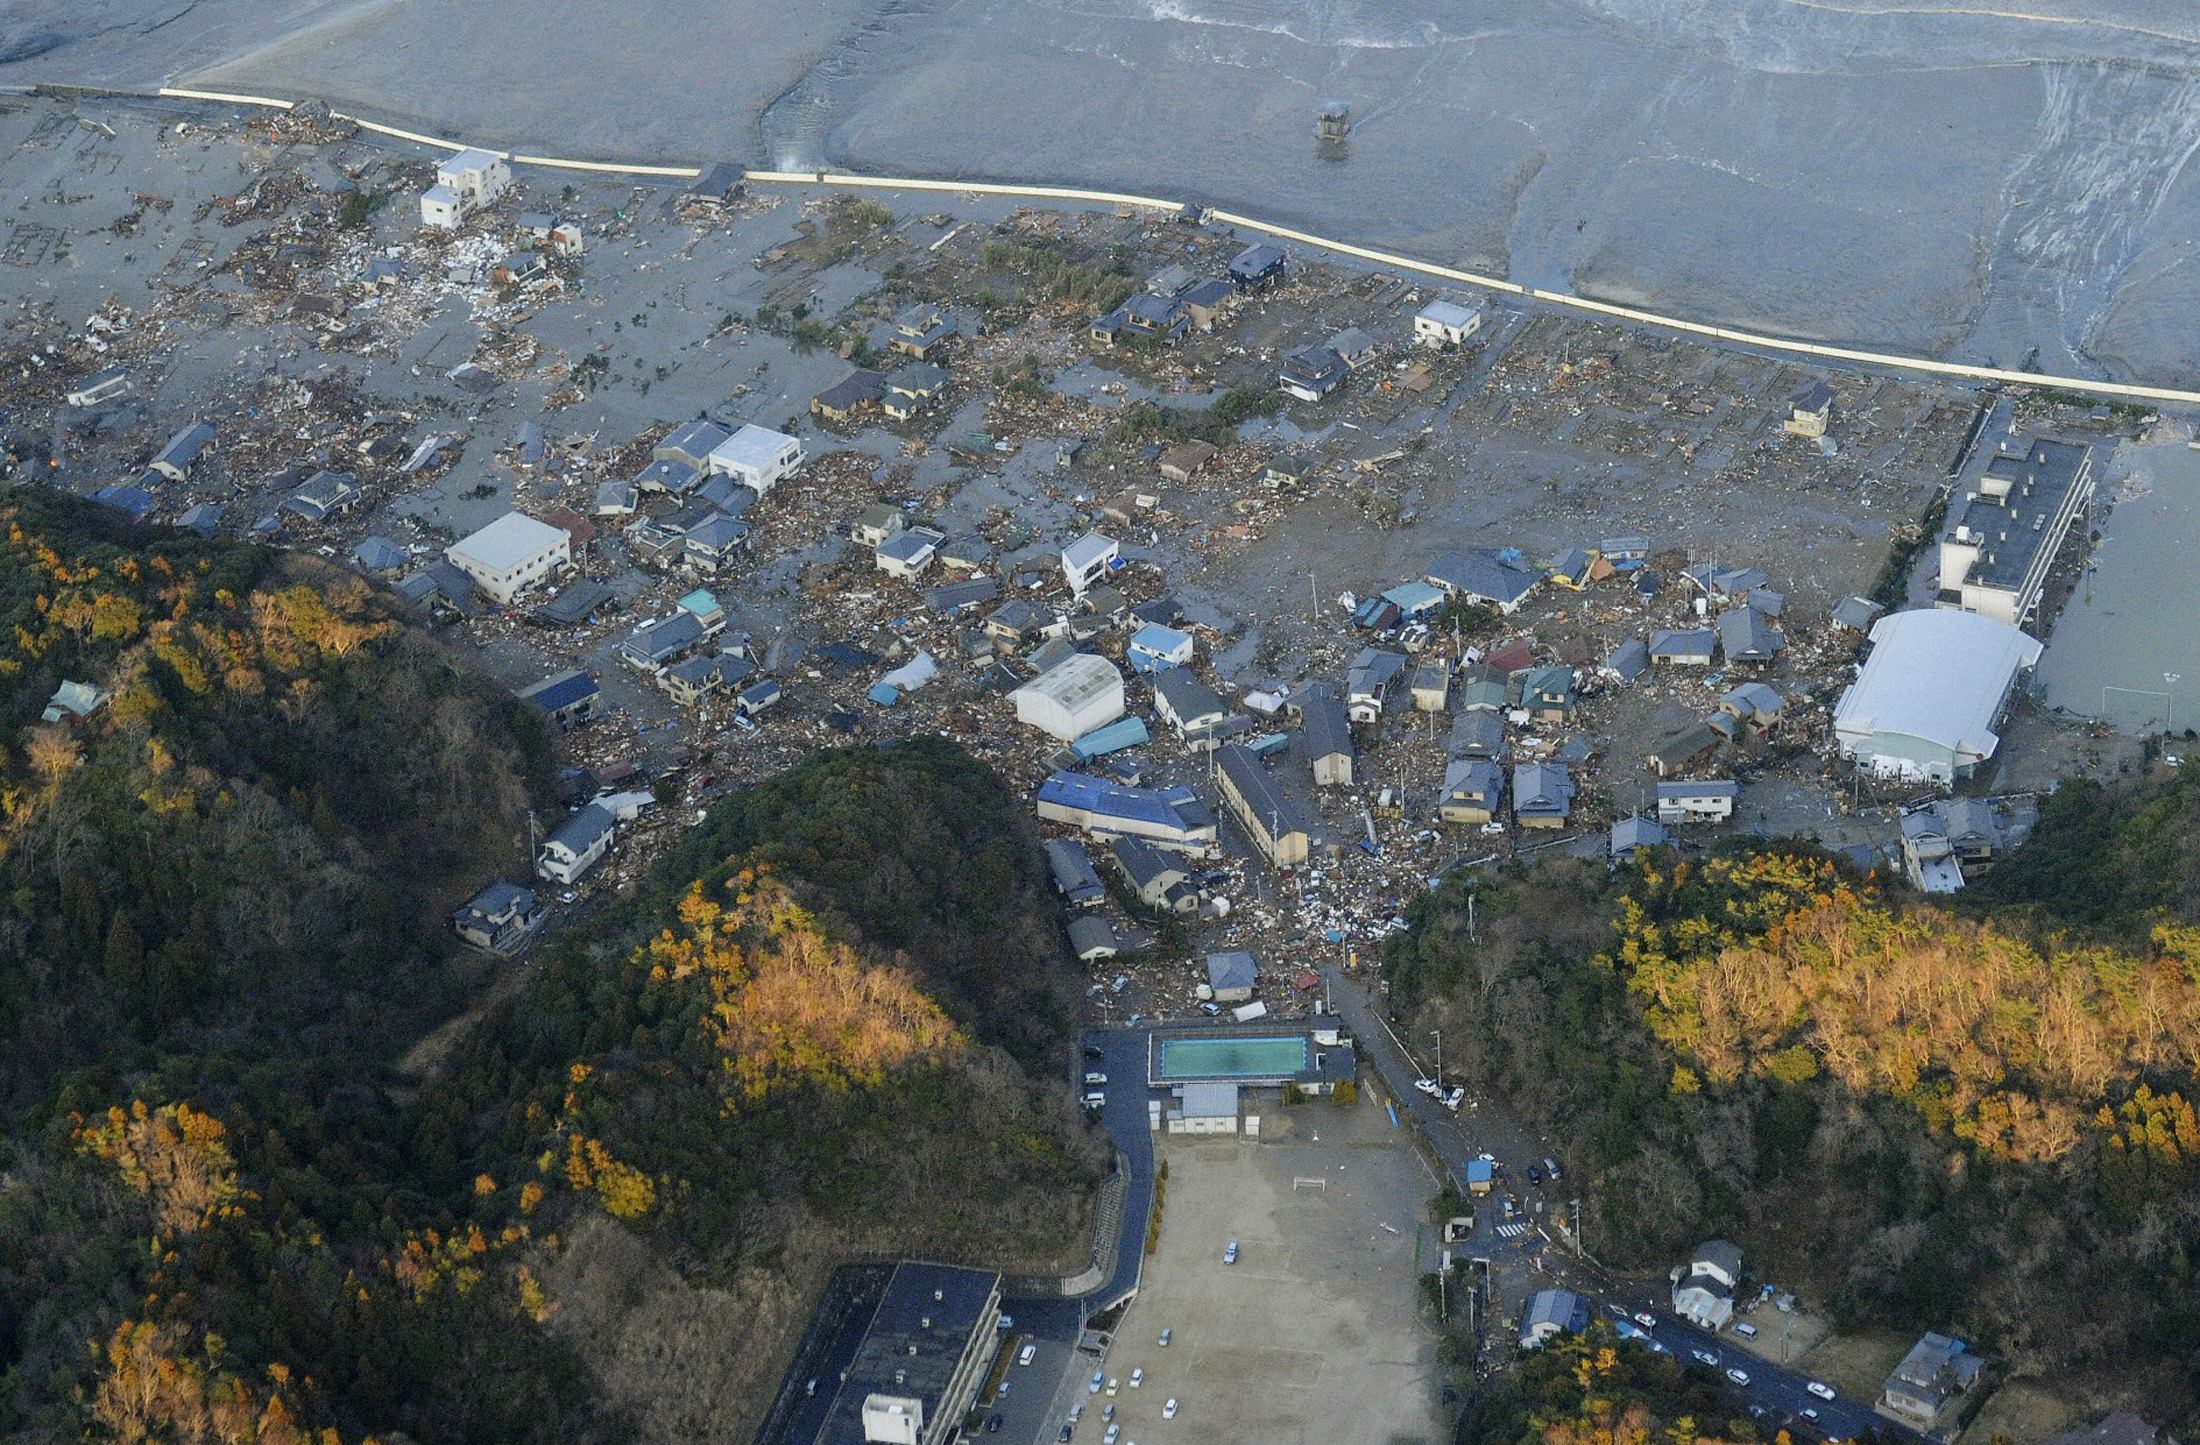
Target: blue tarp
x: 885, y: 694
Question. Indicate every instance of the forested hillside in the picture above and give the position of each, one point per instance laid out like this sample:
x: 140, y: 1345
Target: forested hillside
x: 222, y: 1218
x: 223, y: 925
x: 798, y: 1043
x: 1929, y: 1119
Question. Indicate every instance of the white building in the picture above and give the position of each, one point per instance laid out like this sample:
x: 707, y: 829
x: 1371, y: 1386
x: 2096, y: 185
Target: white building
x: 463, y: 185
x: 1707, y: 801
x: 1204, y: 1108
x: 1086, y: 560
x: 1703, y: 1288
x: 580, y: 841
x: 1069, y: 700
x: 511, y: 554
x: 756, y: 457
x: 97, y: 387
x: 1445, y: 323
x: 1925, y: 706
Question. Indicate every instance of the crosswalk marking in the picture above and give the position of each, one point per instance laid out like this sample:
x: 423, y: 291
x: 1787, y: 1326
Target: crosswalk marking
x: 1511, y: 1231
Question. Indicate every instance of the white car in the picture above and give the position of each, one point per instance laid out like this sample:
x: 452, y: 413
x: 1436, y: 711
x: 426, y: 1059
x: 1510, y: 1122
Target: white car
x: 1229, y: 1256
x: 1165, y: 1334
x: 1095, y: 1078
x: 1138, y: 1377
x: 1027, y: 1354
x: 1098, y: 1379
x: 1821, y: 1389
x: 1168, y: 1411
x: 1456, y: 1097
x: 1739, y: 1377
x: 1646, y: 1319
x: 1705, y: 1357
x: 1114, y: 1433
x: 1428, y: 1086
x: 1112, y: 1383
x: 1810, y: 1412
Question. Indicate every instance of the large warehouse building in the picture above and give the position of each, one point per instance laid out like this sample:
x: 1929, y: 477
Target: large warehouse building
x: 1072, y: 698
x: 1925, y: 707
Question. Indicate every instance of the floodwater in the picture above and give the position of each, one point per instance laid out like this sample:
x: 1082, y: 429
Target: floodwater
x: 1975, y: 181
x: 2124, y: 648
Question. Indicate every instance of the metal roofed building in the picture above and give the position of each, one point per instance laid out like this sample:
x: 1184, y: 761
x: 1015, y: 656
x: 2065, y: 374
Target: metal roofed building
x: 1273, y: 817
x: 1171, y: 817
x: 1550, y: 1313
x: 1067, y: 701
x: 1231, y: 975
x: 922, y: 1357
x: 576, y: 846
x: 1995, y: 559
x: 1204, y: 1108
x: 566, y: 698
x: 1925, y: 706
x: 513, y: 552
x: 691, y: 443
x: 1325, y: 740
x: 1444, y: 322
x: 175, y: 460
x: 1481, y: 576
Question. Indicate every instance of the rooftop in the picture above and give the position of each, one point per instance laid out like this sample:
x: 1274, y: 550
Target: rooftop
x: 1938, y: 675
x: 923, y: 1324
x: 509, y: 541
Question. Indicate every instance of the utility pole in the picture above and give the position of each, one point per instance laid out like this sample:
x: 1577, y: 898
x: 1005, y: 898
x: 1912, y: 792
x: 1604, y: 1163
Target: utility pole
x: 1439, y: 1054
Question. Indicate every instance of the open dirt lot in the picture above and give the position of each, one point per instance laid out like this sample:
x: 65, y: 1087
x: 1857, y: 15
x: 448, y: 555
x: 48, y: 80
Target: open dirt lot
x: 1856, y: 1365
x: 2020, y: 1414
x: 1314, y: 1335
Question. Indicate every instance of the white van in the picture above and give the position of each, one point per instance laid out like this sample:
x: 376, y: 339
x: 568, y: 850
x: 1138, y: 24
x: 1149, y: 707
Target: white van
x: 1745, y: 1329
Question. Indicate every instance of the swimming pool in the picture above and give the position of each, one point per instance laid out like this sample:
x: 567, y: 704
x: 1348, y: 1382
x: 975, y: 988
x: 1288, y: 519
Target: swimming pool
x: 1233, y: 1058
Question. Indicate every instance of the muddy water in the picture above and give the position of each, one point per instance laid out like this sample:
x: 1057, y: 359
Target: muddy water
x: 2126, y: 648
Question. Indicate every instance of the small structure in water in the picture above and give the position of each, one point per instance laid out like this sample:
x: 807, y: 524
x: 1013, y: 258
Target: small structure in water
x: 1333, y: 122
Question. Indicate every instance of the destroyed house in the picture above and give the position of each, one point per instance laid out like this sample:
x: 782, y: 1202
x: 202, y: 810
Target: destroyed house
x: 175, y: 460
x: 691, y: 443
x: 1156, y: 877
x: 846, y: 399
x: 1257, y: 267
x: 1074, y: 877
x: 321, y: 495
x: 567, y: 698
x: 1481, y: 576
x: 1312, y: 372
x: 654, y: 644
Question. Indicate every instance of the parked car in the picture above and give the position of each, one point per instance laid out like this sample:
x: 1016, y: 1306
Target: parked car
x: 1098, y: 1380
x: 1821, y: 1389
x: 993, y: 1423
x: 1138, y: 1377
x: 1229, y: 1255
x: 1002, y: 1392
x: 1810, y: 1413
x: 1095, y: 1078
x: 1646, y: 1319
x: 1168, y: 1411
x: 1705, y: 1357
x: 1067, y: 1431
x: 1745, y: 1329
x: 1114, y: 1432
x: 1113, y: 1382
x: 1456, y: 1097
x: 1165, y: 1337
x: 1096, y: 1100
x: 1027, y: 1354
x: 1428, y: 1086
x: 1550, y: 1167
x: 1739, y: 1377
x: 1107, y: 1412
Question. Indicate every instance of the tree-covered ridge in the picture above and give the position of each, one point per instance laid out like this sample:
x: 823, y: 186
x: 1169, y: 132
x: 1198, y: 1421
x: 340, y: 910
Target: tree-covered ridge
x: 1770, y: 964
x: 1925, y: 1118
x: 2114, y: 859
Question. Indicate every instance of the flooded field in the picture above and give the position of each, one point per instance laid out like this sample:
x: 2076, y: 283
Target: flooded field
x: 1931, y: 176
x: 2124, y: 649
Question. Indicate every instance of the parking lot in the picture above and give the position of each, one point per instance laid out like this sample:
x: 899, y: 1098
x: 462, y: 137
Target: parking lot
x: 1313, y: 1334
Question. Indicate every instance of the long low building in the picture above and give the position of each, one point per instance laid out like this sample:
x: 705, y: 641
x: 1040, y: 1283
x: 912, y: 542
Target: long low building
x: 1272, y: 817
x: 1171, y: 817
x: 1926, y: 704
x: 929, y: 1338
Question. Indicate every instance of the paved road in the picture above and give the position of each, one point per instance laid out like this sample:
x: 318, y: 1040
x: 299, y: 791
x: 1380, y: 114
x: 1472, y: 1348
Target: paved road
x: 1518, y: 1265
x: 1042, y: 1393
